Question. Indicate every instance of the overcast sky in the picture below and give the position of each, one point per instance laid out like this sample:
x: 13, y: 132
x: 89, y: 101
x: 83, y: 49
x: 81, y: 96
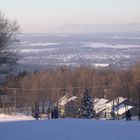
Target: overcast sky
x: 46, y: 15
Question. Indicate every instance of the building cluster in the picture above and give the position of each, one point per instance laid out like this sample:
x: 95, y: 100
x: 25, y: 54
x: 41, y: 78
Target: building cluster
x: 68, y: 106
x: 104, y: 108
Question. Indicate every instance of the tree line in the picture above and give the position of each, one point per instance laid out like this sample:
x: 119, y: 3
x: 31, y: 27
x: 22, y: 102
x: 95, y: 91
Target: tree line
x: 47, y: 87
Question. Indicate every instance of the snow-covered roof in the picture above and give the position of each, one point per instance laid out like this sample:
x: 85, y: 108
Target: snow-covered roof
x: 64, y: 100
x: 99, y: 104
x: 119, y: 105
x: 116, y: 101
x: 121, y: 109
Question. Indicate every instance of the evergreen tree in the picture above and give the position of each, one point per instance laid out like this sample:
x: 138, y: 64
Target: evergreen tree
x: 86, y: 110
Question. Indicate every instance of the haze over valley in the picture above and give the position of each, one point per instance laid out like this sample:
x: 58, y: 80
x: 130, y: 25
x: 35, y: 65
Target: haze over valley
x: 41, y: 51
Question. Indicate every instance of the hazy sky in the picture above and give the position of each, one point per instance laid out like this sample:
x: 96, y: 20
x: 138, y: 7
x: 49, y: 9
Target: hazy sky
x: 46, y: 15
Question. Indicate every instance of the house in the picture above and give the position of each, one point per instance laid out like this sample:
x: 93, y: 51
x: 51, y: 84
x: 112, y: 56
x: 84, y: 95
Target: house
x: 114, y: 109
x: 118, y: 107
x: 110, y: 106
x: 68, y: 106
x: 100, y: 107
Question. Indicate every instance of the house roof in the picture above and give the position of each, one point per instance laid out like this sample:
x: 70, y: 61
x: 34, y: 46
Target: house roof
x: 99, y: 104
x: 116, y: 101
x: 65, y: 99
x: 122, y: 108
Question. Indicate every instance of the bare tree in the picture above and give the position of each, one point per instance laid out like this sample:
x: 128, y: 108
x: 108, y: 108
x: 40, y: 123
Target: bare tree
x: 8, y: 30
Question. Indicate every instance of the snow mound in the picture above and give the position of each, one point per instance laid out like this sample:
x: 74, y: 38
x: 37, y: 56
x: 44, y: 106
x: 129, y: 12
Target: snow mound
x: 18, y: 117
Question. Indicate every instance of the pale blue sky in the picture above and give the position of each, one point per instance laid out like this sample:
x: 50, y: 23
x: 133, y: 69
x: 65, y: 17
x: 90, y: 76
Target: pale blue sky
x: 46, y: 15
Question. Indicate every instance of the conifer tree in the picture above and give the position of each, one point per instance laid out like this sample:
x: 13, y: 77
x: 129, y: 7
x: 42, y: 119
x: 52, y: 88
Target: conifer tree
x: 86, y: 110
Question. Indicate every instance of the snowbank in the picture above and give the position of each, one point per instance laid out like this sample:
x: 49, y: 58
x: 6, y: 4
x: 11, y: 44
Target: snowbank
x: 18, y: 117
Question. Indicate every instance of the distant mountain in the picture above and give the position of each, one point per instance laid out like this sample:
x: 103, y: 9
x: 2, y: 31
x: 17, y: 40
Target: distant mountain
x: 97, y: 28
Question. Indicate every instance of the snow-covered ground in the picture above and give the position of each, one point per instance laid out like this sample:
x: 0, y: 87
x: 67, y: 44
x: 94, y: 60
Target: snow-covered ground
x: 70, y: 129
x: 18, y: 117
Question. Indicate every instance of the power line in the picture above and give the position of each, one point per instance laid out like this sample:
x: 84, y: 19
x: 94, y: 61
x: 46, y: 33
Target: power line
x: 64, y: 88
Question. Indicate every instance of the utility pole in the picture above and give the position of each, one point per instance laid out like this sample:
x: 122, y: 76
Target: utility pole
x: 3, y: 103
x: 139, y: 104
x: 118, y: 108
x: 95, y: 74
x: 138, y: 89
x: 113, y: 109
x: 3, y: 100
x: 15, y: 101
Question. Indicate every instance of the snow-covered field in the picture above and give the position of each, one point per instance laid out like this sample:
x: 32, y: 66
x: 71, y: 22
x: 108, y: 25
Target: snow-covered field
x: 70, y: 129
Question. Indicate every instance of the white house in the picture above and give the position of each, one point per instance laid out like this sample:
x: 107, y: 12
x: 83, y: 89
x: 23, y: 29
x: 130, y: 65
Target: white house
x: 100, y: 106
x: 62, y: 102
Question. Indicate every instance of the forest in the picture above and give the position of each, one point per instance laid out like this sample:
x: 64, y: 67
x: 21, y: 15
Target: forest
x: 47, y: 87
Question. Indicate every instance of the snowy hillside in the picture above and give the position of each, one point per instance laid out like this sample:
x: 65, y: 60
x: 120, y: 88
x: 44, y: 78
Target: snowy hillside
x: 74, y: 129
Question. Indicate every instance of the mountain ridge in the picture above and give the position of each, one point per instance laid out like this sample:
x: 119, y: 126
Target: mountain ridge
x: 97, y: 28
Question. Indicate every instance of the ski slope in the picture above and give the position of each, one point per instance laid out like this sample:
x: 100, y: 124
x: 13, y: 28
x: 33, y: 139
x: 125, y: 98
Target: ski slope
x: 70, y: 129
